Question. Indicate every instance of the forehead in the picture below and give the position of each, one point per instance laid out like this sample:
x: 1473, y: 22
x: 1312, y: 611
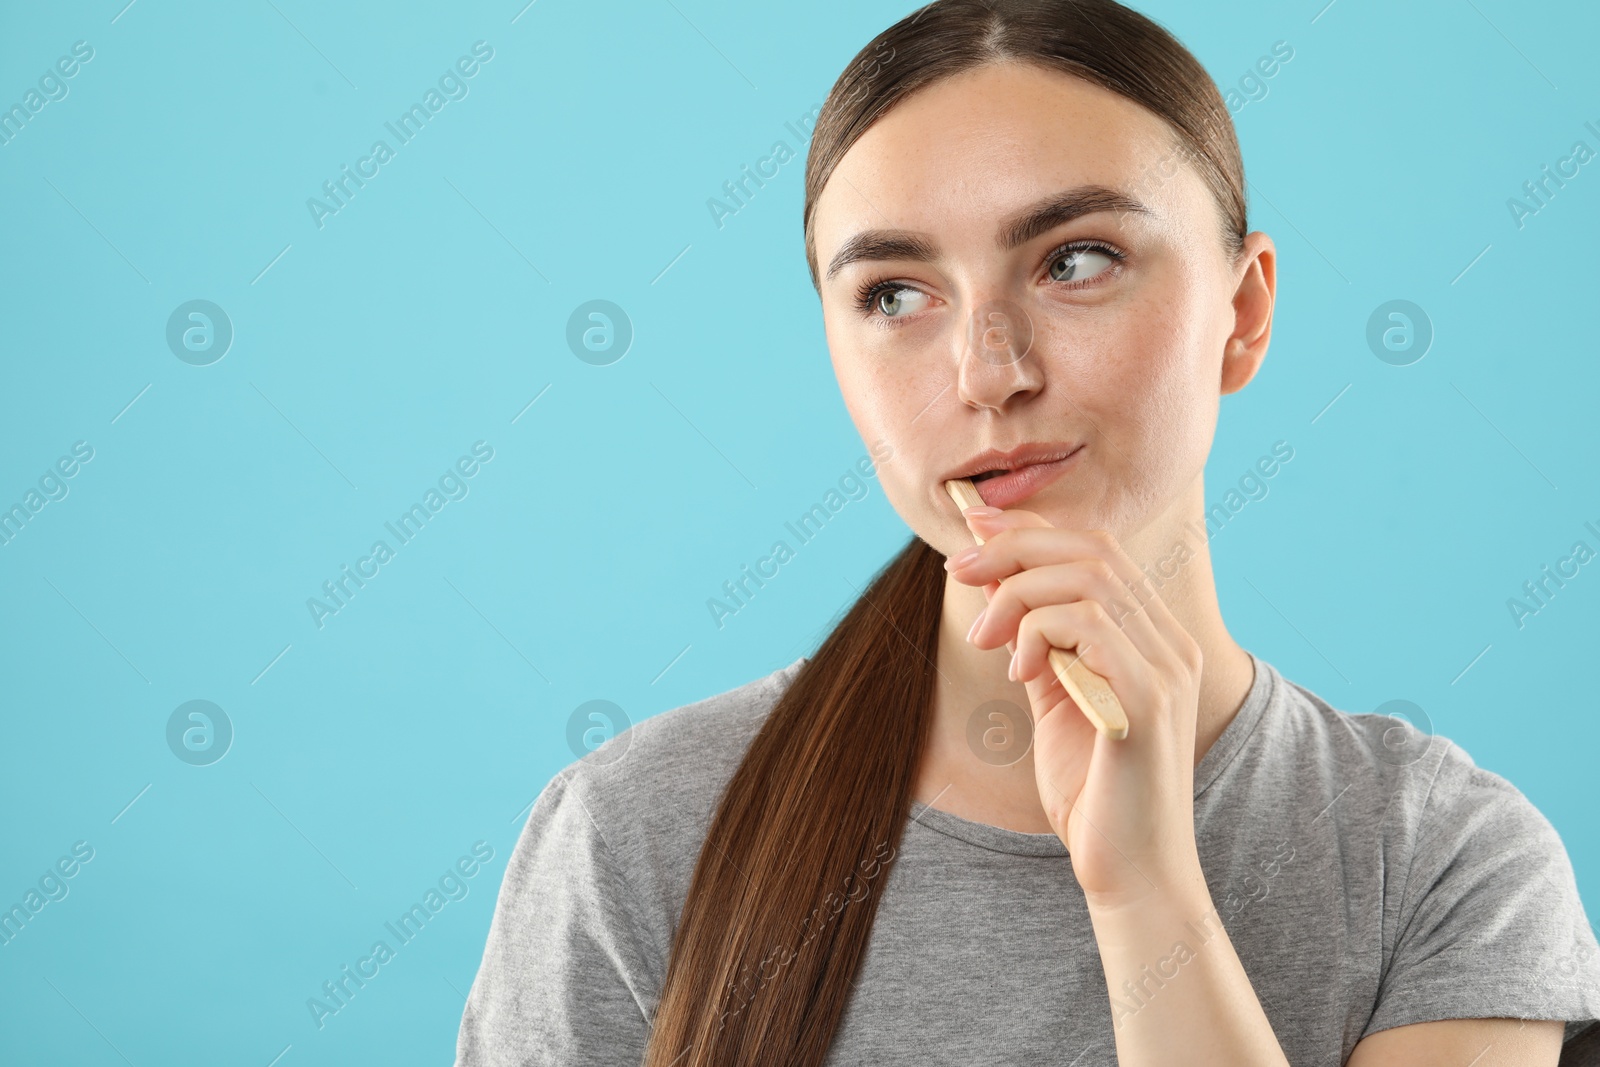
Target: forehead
x: 953, y: 157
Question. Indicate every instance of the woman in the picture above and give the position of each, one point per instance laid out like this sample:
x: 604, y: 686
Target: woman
x: 1026, y: 223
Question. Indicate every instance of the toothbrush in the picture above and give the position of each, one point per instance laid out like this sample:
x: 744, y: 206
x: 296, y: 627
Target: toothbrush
x: 1087, y: 689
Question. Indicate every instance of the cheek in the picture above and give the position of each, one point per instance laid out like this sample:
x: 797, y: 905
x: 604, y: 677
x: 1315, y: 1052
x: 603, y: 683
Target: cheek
x: 1137, y: 371
x: 885, y: 382
x: 1115, y: 362
x: 859, y: 386
x: 1178, y: 382
x: 884, y: 407
x: 893, y: 394
x: 1166, y: 371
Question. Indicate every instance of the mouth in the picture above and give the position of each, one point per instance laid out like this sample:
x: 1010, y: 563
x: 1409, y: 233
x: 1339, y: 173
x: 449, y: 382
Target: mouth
x: 1003, y: 479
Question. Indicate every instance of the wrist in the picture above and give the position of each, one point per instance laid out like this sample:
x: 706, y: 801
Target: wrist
x: 1177, y: 889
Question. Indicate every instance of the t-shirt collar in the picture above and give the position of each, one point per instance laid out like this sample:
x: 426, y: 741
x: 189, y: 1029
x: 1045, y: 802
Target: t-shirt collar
x: 1264, y: 688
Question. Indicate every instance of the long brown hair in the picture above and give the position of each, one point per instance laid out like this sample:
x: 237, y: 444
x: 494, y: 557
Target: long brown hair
x: 780, y: 907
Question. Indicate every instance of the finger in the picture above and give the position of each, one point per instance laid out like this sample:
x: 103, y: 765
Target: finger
x: 988, y: 595
x: 1017, y: 547
x: 1182, y: 650
x: 1061, y: 583
x: 983, y: 522
x: 1043, y: 552
x: 1100, y: 644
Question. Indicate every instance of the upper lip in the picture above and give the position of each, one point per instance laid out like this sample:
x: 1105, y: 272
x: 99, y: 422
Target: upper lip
x: 1021, y: 456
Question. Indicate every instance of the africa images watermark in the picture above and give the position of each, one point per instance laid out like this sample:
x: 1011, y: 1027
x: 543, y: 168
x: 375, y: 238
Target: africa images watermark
x: 52, y: 886
x: 452, y: 485
x: 452, y: 85
x: 777, y: 156
x: 453, y: 885
x: 1154, y: 978
x: 769, y: 166
x: 1250, y: 486
x: 830, y: 908
x: 1539, y: 191
x: 1541, y: 590
x: 52, y: 486
x: 1250, y: 87
x: 804, y: 528
x: 52, y: 87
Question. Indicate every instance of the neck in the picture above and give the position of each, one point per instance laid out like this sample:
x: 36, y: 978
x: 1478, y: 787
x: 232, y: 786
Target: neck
x: 1173, y: 554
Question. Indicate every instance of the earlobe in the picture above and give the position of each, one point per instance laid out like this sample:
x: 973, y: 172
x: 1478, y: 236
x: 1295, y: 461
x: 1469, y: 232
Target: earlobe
x: 1240, y: 362
x: 1239, y: 365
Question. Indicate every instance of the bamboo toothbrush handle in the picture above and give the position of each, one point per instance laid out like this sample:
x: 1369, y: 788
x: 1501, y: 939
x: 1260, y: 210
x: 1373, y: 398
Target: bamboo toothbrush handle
x: 1088, y: 690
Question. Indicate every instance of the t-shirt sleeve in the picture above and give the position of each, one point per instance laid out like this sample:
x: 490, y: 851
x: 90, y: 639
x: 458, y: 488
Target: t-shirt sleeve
x: 1490, y: 924
x: 568, y: 970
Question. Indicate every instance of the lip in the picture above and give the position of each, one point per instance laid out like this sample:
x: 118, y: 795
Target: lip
x: 1031, y: 468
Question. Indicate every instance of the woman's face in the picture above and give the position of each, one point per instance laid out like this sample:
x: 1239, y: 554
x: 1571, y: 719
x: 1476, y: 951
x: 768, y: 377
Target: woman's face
x: 1104, y: 328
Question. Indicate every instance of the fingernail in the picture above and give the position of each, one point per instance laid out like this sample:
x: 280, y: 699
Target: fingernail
x: 975, y: 624
x: 962, y: 558
x: 1011, y: 671
x: 982, y: 513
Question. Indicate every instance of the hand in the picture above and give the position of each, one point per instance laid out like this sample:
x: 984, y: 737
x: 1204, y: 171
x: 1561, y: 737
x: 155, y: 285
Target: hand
x: 1124, y: 809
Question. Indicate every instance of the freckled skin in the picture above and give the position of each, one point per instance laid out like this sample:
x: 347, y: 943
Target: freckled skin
x: 1133, y: 364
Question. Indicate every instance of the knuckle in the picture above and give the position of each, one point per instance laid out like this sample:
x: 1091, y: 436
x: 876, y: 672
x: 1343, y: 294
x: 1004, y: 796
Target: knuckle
x: 1058, y: 811
x: 1027, y: 629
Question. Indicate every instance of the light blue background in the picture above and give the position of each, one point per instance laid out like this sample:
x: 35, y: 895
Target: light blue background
x: 371, y: 353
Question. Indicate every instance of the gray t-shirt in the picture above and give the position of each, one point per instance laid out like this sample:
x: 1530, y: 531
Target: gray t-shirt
x: 1368, y: 876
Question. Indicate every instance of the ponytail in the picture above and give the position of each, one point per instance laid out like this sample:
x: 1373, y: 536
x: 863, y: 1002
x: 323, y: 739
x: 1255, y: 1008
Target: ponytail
x: 781, y: 903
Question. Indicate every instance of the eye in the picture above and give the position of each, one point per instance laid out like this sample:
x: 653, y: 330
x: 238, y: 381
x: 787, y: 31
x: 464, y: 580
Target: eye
x: 1083, y: 262
x: 889, y: 300
x: 1077, y: 265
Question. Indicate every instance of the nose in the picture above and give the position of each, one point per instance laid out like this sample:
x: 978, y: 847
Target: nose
x: 996, y: 364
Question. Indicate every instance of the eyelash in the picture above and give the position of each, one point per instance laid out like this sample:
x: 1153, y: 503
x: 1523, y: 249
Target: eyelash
x: 866, y: 298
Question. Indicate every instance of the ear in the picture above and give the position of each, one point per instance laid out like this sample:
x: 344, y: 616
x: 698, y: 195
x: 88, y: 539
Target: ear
x: 1246, y: 346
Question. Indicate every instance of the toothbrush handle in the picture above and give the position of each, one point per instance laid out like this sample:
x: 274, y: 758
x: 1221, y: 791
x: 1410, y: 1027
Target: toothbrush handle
x: 1091, y: 693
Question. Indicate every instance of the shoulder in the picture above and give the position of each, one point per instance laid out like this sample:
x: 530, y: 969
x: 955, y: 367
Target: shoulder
x: 1394, y: 754
x: 1463, y: 884
x: 1358, y: 779
x: 1385, y: 778
x: 583, y: 925
x: 678, y: 760
x: 649, y: 792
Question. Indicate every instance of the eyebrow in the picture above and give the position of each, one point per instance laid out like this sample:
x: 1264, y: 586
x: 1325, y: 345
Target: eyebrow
x: 1017, y: 229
